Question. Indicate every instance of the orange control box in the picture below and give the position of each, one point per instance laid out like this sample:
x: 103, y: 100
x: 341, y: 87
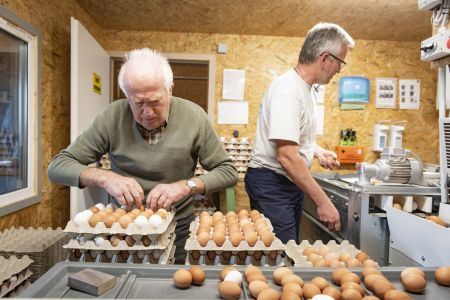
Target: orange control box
x: 349, y: 154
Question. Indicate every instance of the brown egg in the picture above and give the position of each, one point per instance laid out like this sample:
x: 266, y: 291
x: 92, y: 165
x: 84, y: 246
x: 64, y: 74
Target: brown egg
x: 94, y: 219
x: 437, y: 220
x: 136, y: 211
x: 204, y: 213
x: 353, y: 262
x: 337, y: 275
x: 125, y: 220
x: 370, y: 279
x: 148, y: 213
x: 211, y: 255
x: 350, y: 294
x: 310, y: 290
x: 336, y: 264
x: 267, y: 238
x: 251, y: 237
x: 362, y: 256
x: 345, y: 256
x: 308, y: 250
x: 415, y: 283
x: 324, y: 250
x: 218, y: 238
x: 235, y: 239
x: 331, y: 256
x: 217, y: 216
x: 313, y: 257
x: 287, y: 295
x: 203, y: 238
x: 442, y: 276
x: 269, y: 294
x: 291, y: 278
x: 370, y: 263
x: 243, y: 213
x: 353, y: 285
x: 273, y: 254
x: 279, y: 273
x: 182, y: 278
x: 397, y: 205
x: 381, y: 286
x: 226, y: 255
x: 130, y: 241
x: 94, y: 209
x: 396, y: 295
x: 256, y: 277
x: 198, y: 275
x: 321, y: 282
x: 195, y: 254
x: 320, y: 263
x: 370, y: 298
x: 162, y: 213
x: 293, y: 287
x: 146, y: 241
x: 120, y: 211
x: 257, y: 255
x: 109, y: 221
x: 229, y: 290
x: 225, y: 271
x: 251, y: 269
x: 115, y: 240
x: 350, y: 277
x: 256, y: 287
x: 412, y: 270
x: 370, y: 270
x: 108, y: 210
x: 333, y: 292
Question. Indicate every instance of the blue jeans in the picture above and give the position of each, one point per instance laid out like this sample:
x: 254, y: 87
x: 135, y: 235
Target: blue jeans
x: 278, y: 198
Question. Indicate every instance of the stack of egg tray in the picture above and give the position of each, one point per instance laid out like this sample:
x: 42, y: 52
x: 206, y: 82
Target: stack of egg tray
x: 43, y: 246
x: 227, y: 254
x: 160, y: 251
x: 203, y: 203
x: 294, y: 253
x: 14, y: 275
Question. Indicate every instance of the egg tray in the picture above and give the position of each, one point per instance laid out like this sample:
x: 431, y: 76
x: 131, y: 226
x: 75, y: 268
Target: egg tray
x: 13, y: 267
x: 161, y: 242
x: 295, y: 257
x: 22, y: 281
x: 132, y: 229
x: 150, y: 256
x: 194, y: 225
x: 43, y: 246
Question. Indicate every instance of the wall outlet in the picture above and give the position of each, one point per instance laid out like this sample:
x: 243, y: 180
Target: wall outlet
x: 428, y: 4
x: 436, y: 46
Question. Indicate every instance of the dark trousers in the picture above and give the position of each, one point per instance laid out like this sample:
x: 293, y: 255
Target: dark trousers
x: 278, y: 198
x: 182, y: 232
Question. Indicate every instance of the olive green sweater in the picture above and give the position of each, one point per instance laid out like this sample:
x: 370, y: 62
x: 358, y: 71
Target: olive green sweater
x: 188, y: 137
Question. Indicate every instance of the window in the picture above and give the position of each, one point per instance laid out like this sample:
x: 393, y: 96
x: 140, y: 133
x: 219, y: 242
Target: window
x: 19, y: 113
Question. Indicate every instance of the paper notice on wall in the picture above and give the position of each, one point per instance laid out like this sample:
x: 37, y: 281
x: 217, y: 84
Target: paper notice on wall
x: 409, y: 93
x: 320, y: 116
x: 385, y: 92
x: 233, y: 112
x: 233, y: 84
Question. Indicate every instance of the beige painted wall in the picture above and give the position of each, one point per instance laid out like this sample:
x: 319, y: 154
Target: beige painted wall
x: 258, y: 55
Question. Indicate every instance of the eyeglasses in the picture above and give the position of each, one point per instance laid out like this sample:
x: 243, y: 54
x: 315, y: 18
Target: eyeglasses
x: 342, y: 62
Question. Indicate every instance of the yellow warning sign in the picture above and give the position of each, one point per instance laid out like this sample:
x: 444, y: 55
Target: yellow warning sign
x: 96, y: 83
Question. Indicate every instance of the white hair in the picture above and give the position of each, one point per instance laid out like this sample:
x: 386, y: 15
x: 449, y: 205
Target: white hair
x: 147, y: 63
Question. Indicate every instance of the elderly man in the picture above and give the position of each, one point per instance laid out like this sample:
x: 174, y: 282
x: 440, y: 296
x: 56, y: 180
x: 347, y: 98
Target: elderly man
x: 285, y: 142
x: 154, y: 141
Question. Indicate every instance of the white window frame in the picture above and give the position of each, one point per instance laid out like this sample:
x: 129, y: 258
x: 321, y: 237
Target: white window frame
x: 29, y: 195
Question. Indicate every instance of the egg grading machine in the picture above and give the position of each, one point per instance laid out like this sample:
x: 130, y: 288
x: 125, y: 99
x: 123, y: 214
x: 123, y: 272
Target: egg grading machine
x: 361, y: 204
x: 155, y: 282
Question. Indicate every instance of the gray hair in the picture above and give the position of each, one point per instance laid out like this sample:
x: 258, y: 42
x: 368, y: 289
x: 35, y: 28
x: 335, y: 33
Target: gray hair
x: 323, y: 37
x: 150, y: 64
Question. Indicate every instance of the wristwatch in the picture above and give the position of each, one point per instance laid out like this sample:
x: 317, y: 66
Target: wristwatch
x: 192, y: 185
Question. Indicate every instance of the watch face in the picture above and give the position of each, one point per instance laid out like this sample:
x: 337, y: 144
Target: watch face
x: 191, y: 184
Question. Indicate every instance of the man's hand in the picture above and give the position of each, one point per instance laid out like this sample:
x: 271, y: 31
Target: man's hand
x: 125, y: 189
x: 329, y: 215
x: 164, y: 195
x: 328, y: 159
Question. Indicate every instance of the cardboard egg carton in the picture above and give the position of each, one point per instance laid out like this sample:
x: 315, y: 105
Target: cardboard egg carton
x: 295, y: 257
x: 132, y: 229
x: 149, y: 256
x: 160, y: 242
x: 43, y: 246
x: 13, y: 273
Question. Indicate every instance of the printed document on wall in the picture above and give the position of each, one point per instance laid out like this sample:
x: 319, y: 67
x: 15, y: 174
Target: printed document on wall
x: 233, y: 112
x: 409, y: 93
x: 385, y: 92
x: 233, y: 84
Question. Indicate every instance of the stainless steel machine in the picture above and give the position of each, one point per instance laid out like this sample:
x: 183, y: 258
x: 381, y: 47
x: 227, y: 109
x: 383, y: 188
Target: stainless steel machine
x: 357, y: 199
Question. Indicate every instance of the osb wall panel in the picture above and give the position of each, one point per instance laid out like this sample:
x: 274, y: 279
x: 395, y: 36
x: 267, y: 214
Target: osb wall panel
x: 263, y: 56
x: 52, y: 18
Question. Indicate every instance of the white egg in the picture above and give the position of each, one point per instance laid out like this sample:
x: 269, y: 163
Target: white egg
x: 81, y: 219
x: 124, y: 207
x: 99, y: 240
x: 234, y: 276
x: 100, y: 206
x: 141, y: 221
x: 322, y: 297
x: 155, y: 221
x: 13, y: 280
x: 414, y: 205
x: 88, y: 213
x: 109, y: 205
x: 82, y: 239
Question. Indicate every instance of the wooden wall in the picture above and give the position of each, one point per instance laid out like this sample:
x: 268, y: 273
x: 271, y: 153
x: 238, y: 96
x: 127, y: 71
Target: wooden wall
x: 260, y: 56
x: 52, y: 18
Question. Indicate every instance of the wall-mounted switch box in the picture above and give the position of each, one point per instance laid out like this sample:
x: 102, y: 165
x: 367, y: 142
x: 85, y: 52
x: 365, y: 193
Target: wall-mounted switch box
x: 436, y: 46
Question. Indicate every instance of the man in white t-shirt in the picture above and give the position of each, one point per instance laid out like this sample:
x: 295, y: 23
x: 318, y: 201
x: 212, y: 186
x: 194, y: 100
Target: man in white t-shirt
x: 285, y: 143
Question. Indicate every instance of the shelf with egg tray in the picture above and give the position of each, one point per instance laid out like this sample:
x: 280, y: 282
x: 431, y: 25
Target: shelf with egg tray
x: 13, y: 272
x: 194, y: 225
x: 150, y: 256
x: 405, y: 202
x: 132, y: 229
x: 295, y: 253
x: 257, y: 258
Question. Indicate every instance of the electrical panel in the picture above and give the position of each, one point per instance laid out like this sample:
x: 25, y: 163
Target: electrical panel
x: 428, y: 4
x: 436, y: 46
